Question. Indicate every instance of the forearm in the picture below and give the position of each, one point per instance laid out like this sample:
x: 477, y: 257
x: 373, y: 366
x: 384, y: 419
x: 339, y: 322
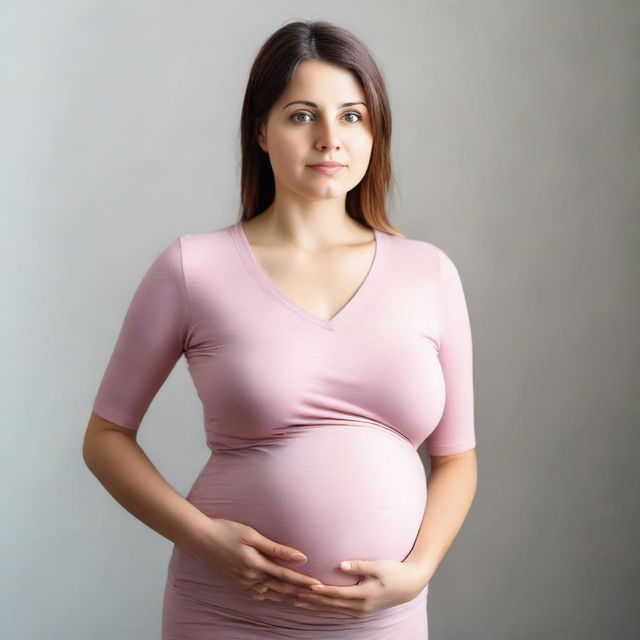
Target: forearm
x: 450, y: 491
x: 126, y: 472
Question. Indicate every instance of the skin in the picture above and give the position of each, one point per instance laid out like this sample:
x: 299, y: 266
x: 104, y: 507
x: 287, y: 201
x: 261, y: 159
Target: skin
x: 308, y: 245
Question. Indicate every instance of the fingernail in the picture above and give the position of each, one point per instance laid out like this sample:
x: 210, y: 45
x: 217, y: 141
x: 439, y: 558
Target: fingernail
x: 298, y: 556
x: 316, y: 586
x: 345, y: 565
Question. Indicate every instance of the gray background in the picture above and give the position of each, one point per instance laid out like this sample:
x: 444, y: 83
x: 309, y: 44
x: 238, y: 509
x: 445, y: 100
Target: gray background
x: 516, y: 149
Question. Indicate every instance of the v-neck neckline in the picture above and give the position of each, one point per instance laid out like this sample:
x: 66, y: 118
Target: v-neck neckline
x: 337, y: 320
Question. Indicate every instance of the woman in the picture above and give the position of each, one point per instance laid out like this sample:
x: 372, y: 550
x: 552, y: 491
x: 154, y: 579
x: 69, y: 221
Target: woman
x: 325, y: 348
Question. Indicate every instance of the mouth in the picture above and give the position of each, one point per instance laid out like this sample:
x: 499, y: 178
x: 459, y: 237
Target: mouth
x: 327, y: 168
x: 327, y: 164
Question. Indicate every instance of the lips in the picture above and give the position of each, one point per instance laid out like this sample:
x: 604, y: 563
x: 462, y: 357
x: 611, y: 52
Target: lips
x: 327, y: 164
x: 327, y: 169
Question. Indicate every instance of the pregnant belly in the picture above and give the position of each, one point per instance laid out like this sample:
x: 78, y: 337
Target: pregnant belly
x: 336, y: 493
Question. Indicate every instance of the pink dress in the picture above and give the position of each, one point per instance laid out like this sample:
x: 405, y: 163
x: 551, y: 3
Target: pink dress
x: 313, y: 424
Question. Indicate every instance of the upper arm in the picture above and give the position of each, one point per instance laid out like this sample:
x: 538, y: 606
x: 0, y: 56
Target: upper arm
x: 152, y: 338
x: 455, y: 432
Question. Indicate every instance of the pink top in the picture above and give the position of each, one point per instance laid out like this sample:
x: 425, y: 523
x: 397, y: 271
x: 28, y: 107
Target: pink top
x: 313, y: 424
x: 397, y: 356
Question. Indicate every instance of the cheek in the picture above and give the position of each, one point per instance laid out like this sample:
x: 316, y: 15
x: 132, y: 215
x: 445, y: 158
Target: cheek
x: 362, y: 147
x: 288, y: 153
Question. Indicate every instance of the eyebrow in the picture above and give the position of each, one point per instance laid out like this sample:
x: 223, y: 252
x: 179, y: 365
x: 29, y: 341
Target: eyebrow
x: 313, y: 104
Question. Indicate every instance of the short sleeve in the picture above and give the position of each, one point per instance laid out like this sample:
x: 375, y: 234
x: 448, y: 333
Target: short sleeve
x: 151, y: 340
x: 455, y: 432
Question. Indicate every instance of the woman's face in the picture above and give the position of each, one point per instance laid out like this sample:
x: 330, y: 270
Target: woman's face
x: 298, y: 135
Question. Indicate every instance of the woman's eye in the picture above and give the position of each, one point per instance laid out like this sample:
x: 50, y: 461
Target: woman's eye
x: 305, y: 113
x: 353, y: 113
x: 300, y: 113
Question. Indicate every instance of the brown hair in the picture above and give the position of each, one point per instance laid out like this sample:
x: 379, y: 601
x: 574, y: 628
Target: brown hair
x: 270, y: 74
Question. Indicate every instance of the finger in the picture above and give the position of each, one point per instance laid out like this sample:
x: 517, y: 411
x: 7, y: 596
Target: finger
x: 285, y: 588
x: 258, y: 588
x: 272, y: 548
x: 275, y: 596
x: 294, y: 556
x: 269, y: 595
x: 272, y: 585
x: 287, y: 575
x: 251, y: 577
x: 354, y: 592
x: 329, y: 602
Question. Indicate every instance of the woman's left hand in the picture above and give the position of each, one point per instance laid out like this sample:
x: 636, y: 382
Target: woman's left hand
x: 385, y: 583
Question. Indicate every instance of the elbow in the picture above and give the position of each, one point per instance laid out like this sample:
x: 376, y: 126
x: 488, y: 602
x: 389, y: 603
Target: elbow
x: 88, y: 449
x: 96, y: 430
x: 463, y: 465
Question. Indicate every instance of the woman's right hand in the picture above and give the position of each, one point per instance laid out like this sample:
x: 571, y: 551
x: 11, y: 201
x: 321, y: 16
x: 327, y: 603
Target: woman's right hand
x: 242, y: 554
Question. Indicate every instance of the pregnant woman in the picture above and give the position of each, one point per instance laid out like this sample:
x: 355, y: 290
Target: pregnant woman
x: 325, y: 347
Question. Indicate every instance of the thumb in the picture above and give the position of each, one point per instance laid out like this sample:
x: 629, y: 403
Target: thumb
x: 361, y: 567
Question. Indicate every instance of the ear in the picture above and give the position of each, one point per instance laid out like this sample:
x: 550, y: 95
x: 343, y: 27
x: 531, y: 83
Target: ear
x: 262, y: 138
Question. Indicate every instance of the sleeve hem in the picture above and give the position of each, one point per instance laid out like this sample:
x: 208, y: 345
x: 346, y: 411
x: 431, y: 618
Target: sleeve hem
x: 117, y: 419
x: 448, y: 449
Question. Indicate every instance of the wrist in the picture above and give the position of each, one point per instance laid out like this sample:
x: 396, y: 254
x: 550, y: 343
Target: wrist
x: 198, y: 535
x: 424, y: 570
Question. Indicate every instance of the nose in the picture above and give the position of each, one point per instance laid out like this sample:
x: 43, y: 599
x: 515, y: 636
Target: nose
x: 327, y: 137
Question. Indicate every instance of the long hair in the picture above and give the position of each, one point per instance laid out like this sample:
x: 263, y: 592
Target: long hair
x: 270, y: 74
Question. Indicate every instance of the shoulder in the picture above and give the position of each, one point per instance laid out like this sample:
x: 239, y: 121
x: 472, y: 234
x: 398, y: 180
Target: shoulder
x: 207, y: 251
x: 425, y: 256
x: 212, y: 238
x: 412, y: 245
x: 414, y: 248
x: 191, y: 252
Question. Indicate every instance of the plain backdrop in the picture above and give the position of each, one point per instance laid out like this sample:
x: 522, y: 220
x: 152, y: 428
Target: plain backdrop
x: 516, y: 148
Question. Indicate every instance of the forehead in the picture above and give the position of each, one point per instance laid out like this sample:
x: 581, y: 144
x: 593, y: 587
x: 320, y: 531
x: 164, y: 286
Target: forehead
x: 324, y: 84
